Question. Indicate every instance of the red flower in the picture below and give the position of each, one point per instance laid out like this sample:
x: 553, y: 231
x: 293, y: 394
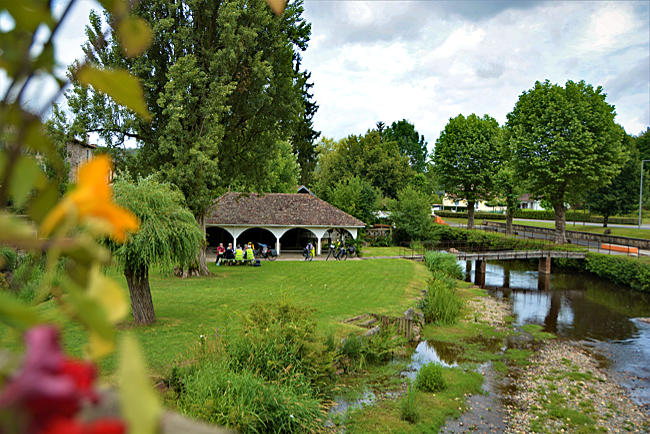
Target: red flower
x: 71, y: 426
x: 49, y: 387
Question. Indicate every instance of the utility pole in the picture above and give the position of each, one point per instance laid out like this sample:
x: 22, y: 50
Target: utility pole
x: 641, y: 192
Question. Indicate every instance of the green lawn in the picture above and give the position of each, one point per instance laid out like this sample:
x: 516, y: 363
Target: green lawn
x: 386, y: 251
x: 631, y: 231
x: 188, y: 308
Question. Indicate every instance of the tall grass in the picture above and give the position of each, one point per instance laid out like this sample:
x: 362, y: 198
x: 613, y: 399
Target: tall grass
x: 444, y: 262
x: 244, y: 401
x: 408, y: 405
x: 429, y: 378
x: 442, y: 305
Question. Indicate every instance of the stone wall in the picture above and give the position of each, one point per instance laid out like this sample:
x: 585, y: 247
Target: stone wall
x: 76, y: 154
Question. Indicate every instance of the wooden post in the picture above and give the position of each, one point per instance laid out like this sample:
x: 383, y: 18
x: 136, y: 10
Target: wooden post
x: 468, y: 271
x: 545, y: 265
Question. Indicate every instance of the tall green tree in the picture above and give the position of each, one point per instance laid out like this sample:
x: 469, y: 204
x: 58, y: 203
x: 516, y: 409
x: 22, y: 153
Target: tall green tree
x: 356, y: 197
x: 379, y: 163
x: 223, y: 84
x: 565, y: 143
x: 410, y: 143
x: 168, y: 235
x: 411, y: 213
x: 621, y: 195
x: 466, y: 159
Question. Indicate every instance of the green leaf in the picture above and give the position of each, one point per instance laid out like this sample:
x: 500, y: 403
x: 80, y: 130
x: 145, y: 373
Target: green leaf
x: 16, y: 314
x: 16, y: 230
x: 119, y: 84
x: 28, y: 14
x: 27, y: 175
x: 88, y: 311
x: 135, y: 36
x: 43, y: 202
x: 115, y: 7
x: 139, y: 403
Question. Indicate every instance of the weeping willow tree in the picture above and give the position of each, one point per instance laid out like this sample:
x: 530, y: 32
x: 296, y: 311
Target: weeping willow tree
x: 168, y: 235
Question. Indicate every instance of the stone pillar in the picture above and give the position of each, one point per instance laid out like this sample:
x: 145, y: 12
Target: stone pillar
x: 277, y: 246
x: 545, y: 265
x: 506, y: 276
x: 468, y: 271
x: 479, y: 274
x: 318, y: 247
x: 543, y: 281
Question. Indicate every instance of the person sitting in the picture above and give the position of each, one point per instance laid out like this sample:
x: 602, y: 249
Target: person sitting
x: 220, y: 252
x: 229, y: 253
x: 250, y: 254
x: 239, y: 255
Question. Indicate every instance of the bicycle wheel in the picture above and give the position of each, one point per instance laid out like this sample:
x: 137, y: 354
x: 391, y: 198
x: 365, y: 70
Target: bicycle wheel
x: 271, y: 256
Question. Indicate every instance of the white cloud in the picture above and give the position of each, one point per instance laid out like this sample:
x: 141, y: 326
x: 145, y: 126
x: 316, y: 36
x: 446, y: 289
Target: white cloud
x: 434, y: 60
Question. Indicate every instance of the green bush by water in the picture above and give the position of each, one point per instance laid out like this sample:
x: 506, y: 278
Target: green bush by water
x: 357, y: 351
x: 441, y: 305
x: 623, y: 270
x: 445, y: 262
x: 429, y: 378
x: 577, y: 216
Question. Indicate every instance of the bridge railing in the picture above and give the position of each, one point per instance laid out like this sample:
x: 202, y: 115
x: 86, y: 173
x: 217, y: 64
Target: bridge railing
x: 417, y: 249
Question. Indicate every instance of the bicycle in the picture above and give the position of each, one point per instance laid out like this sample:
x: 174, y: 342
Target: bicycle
x: 308, y: 254
x: 264, y: 252
x: 331, y: 252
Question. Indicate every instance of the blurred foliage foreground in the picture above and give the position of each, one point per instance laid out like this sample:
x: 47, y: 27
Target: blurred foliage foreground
x: 43, y: 390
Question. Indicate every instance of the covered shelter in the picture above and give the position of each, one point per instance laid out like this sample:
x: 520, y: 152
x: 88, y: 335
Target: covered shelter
x: 277, y: 219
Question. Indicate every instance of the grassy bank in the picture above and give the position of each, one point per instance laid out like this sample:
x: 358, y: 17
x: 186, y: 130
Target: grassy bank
x: 189, y: 308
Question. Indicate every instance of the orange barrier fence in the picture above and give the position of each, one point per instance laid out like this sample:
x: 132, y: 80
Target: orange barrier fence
x: 623, y: 249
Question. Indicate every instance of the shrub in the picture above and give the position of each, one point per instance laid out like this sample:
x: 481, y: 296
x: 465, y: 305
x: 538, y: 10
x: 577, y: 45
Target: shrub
x: 441, y: 305
x: 429, y: 378
x: 445, y: 262
x: 381, y: 346
x: 279, y: 343
x: 477, y: 215
x: 27, y: 277
x: 623, y: 270
x: 408, y: 405
x: 8, y: 259
x: 244, y: 401
x: 578, y: 216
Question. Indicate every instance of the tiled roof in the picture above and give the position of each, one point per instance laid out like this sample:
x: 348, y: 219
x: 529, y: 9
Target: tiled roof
x: 278, y: 209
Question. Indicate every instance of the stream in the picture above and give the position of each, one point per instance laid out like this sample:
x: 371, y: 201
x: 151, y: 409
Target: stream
x: 581, y: 307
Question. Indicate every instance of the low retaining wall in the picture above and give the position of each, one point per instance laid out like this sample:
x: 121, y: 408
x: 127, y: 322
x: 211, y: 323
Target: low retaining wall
x: 574, y: 235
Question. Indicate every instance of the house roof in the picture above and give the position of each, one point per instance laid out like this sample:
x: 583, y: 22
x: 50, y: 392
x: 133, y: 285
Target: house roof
x: 278, y: 209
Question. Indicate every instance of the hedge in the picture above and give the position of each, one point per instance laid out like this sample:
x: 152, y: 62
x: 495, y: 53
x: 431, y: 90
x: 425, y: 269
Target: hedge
x: 474, y: 239
x: 623, y: 270
x: 477, y: 215
x: 577, y: 216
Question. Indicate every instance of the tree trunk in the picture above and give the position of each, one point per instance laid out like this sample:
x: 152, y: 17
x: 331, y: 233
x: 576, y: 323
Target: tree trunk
x: 470, y: 214
x: 605, y: 220
x: 203, y: 266
x: 560, y: 222
x: 141, y: 303
x: 510, y: 214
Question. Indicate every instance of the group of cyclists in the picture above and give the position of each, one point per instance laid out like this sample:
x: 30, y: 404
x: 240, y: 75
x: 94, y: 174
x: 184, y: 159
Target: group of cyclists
x: 247, y: 254
x: 237, y: 255
x: 337, y: 250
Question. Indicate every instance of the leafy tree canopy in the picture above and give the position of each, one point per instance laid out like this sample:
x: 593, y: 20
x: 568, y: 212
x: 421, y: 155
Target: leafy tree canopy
x: 467, y: 157
x: 621, y: 195
x: 410, y: 143
x: 356, y: 197
x: 411, y: 213
x: 223, y: 84
x: 367, y: 157
x: 565, y: 142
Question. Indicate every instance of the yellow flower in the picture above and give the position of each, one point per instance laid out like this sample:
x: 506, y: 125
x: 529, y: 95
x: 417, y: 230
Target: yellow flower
x: 93, y: 199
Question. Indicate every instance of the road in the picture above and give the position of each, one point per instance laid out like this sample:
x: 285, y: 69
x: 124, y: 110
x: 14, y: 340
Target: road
x: 570, y: 226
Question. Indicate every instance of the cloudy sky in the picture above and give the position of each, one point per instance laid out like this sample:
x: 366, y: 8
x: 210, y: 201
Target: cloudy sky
x: 427, y: 61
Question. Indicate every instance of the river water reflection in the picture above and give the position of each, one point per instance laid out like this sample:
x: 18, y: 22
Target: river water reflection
x: 581, y: 306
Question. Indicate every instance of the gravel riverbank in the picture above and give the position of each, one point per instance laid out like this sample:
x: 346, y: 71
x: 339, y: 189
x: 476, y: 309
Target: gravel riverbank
x: 564, y: 390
